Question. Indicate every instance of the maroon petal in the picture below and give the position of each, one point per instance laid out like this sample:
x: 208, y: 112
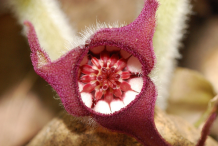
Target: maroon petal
x: 135, y: 38
x: 38, y: 55
x: 58, y: 73
x: 137, y: 119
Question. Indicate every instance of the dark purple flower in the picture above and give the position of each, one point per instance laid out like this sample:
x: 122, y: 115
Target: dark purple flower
x: 99, y: 78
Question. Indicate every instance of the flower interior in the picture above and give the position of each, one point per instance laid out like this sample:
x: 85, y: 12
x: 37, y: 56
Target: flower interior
x: 109, y: 79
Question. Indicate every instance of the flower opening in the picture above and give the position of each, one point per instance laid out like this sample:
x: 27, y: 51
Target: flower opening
x: 109, y: 79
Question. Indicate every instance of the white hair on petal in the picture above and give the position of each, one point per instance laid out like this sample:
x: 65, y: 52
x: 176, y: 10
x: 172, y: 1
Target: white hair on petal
x: 51, y: 24
x: 54, y: 33
x: 171, y: 25
x: 89, y: 31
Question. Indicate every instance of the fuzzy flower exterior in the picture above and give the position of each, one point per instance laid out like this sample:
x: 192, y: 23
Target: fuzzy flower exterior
x: 107, y: 78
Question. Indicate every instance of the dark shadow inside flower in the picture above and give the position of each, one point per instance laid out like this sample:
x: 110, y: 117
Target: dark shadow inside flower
x: 109, y: 79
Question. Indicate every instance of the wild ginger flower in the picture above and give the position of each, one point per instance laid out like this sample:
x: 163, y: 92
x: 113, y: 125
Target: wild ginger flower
x: 107, y: 78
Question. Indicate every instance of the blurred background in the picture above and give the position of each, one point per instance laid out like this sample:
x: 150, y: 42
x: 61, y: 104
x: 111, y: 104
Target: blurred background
x: 27, y: 102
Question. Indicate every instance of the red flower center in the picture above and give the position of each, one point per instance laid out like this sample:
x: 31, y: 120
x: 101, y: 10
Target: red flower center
x: 104, y: 78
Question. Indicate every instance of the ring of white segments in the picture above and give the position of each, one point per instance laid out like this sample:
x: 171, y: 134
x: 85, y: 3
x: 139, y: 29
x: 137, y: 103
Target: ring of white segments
x: 109, y: 79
